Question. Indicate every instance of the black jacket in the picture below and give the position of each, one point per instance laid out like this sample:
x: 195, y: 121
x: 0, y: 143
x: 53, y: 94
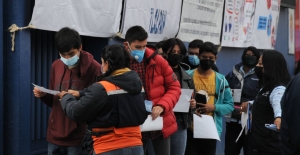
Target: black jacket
x: 250, y: 88
x: 186, y: 83
x: 99, y: 109
x: 290, y: 119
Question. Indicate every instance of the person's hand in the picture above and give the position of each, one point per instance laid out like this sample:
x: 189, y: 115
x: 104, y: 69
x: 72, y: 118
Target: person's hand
x: 192, y: 103
x: 156, y: 111
x: 244, y: 107
x: 206, y: 108
x: 38, y: 93
x: 277, y: 122
x: 60, y: 95
x: 75, y: 93
x: 197, y: 112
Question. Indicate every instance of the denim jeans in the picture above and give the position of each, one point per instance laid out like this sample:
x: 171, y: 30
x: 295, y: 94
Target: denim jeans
x: 134, y: 150
x: 63, y: 150
x: 178, y: 139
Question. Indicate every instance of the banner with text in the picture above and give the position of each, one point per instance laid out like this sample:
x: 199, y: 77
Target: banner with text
x: 201, y: 19
x: 159, y: 18
x: 90, y: 18
x: 250, y: 23
x: 266, y: 24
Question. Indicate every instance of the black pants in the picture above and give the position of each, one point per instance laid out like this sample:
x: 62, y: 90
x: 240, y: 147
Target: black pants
x: 233, y: 130
x: 195, y: 146
x: 256, y: 152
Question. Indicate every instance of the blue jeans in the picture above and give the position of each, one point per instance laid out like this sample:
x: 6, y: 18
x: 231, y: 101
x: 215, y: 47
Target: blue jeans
x: 63, y: 150
x: 178, y: 139
x: 134, y: 150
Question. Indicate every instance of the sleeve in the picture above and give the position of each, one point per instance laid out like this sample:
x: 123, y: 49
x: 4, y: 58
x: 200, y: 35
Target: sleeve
x: 88, y: 106
x: 275, y: 98
x: 172, y: 87
x: 227, y: 105
x: 48, y: 98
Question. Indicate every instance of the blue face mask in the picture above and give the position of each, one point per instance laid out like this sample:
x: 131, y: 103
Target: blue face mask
x: 71, y: 61
x: 194, y: 60
x: 138, y: 55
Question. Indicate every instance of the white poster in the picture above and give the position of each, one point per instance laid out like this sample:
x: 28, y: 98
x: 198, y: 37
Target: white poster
x: 91, y: 18
x: 201, y: 19
x: 266, y: 24
x: 291, y: 31
x: 238, y: 23
x: 160, y: 18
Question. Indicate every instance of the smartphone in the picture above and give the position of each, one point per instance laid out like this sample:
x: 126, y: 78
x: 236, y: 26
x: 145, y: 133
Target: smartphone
x: 200, y: 98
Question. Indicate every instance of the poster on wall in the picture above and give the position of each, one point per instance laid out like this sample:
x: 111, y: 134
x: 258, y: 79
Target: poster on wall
x: 159, y: 18
x: 201, y: 19
x: 238, y: 23
x: 90, y: 18
x: 291, y: 31
x: 266, y: 24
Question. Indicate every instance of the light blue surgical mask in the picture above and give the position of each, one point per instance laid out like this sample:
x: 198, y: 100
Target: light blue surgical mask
x: 138, y: 55
x: 194, y: 60
x: 71, y: 61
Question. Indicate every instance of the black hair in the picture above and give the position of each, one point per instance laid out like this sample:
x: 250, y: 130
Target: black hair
x: 116, y: 56
x: 136, y: 33
x: 208, y: 47
x: 275, y: 72
x: 170, y: 43
x: 160, y: 44
x: 254, y: 50
x: 297, y: 69
x: 195, y: 43
x: 67, y: 39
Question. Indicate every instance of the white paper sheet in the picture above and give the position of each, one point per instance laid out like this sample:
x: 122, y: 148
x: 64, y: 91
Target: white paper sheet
x: 237, y: 95
x: 183, y: 103
x: 244, y: 121
x: 205, y: 127
x: 53, y: 92
x: 152, y: 125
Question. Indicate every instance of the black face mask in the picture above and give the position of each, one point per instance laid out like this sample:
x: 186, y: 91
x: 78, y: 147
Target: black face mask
x: 250, y: 61
x: 206, y: 64
x: 259, y: 72
x: 174, y: 59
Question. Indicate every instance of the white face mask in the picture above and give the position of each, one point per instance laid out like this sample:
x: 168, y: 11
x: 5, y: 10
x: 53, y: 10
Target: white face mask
x: 71, y: 61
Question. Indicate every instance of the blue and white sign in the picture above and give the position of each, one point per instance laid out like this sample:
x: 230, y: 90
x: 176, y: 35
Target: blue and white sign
x: 91, y: 18
x: 159, y: 18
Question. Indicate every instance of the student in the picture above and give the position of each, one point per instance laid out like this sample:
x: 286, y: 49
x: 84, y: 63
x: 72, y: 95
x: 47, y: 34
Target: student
x: 220, y: 100
x: 159, y: 47
x: 114, y: 109
x: 160, y: 84
x: 173, y: 51
x: 192, y: 59
x: 242, y: 77
x: 76, y: 69
x: 274, y: 76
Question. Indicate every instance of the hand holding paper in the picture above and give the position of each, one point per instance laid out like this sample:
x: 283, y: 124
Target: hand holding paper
x: 205, y: 127
x: 42, y: 89
x: 152, y: 125
x: 183, y: 103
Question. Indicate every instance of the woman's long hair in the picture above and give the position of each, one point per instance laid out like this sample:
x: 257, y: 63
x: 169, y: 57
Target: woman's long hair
x: 116, y: 56
x: 275, y: 70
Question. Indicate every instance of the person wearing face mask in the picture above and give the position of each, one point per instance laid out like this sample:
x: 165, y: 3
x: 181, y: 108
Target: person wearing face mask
x: 244, y: 83
x: 112, y: 108
x: 191, y: 59
x: 76, y: 69
x: 160, y: 83
x: 173, y: 51
x: 220, y: 100
x: 266, y: 109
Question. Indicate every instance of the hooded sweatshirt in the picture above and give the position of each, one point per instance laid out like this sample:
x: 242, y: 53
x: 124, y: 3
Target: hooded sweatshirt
x: 62, y: 130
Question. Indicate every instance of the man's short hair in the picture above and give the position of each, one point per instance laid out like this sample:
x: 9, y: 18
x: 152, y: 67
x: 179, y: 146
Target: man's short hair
x: 67, y: 39
x: 136, y: 33
x: 195, y: 43
x: 208, y: 47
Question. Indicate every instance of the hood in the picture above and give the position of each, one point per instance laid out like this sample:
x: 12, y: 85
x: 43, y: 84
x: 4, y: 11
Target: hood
x: 150, y: 52
x: 129, y: 81
x: 86, y: 59
x: 238, y: 66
